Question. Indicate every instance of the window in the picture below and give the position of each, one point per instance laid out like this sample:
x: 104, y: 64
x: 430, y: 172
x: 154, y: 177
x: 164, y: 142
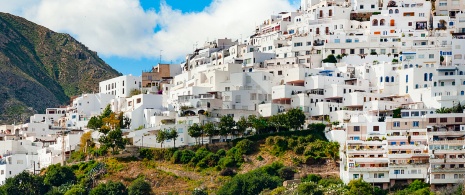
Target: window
x: 361, y: 6
x: 458, y: 119
x: 280, y: 72
x: 462, y: 93
x: 396, y: 123
x: 431, y: 56
x: 392, y: 79
x: 309, y: 43
x: 356, y: 176
x: 356, y: 128
x: 443, y: 120
x: 406, y: 78
x: 416, y: 123
x: 227, y: 89
x: 298, y: 44
x: 432, y: 120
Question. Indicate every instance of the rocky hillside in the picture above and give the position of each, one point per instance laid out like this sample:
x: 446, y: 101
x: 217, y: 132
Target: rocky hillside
x: 40, y: 68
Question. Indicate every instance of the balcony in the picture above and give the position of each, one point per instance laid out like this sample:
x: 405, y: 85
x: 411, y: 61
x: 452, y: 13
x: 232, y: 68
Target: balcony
x: 447, y: 160
x: 369, y: 169
x: 407, y: 176
x: 447, y: 170
x: 459, y: 142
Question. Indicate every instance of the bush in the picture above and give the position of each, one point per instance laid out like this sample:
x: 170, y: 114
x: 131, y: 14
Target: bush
x: 311, y: 178
x: 227, y: 172
x: 227, y: 162
x: 286, y: 173
x: 146, y: 153
x: 58, y: 175
x: 140, y: 187
x: 269, y: 141
x: 259, y: 158
x: 245, y: 146
x: 309, y: 188
x: 299, y: 149
x: 250, y: 183
x: 221, y: 153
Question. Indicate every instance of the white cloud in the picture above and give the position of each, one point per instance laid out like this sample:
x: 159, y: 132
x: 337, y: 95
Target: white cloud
x: 122, y: 28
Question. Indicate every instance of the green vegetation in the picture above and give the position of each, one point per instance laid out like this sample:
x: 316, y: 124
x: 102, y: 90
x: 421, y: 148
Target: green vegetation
x: 455, y: 109
x: 330, y: 59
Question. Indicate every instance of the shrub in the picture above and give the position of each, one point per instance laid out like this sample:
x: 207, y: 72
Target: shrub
x: 286, y: 173
x: 227, y: 162
x: 146, y: 153
x: 221, y: 153
x: 250, y: 183
x: 244, y: 146
x: 259, y: 158
x: 227, y: 172
x: 311, y: 178
x: 269, y: 141
x: 139, y: 187
x: 309, y: 188
x: 299, y: 149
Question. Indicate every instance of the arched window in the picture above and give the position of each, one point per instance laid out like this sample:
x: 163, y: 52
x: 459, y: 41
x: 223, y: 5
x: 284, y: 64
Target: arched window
x: 330, y: 13
x: 416, y: 86
x: 390, y: 11
x: 406, y: 78
x: 375, y: 22
x: 461, y: 73
x: 411, y: 66
x: 321, y: 13
x: 381, y: 80
x: 387, y: 79
x: 397, y: 11
x: 392, y: 79
x: 425, y: 77
x: 381, y: 22
x: 430, y: 76
x: 405, y: 66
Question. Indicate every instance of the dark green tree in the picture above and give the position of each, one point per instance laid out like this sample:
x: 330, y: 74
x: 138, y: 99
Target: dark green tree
x: 295, y: 118
x: 140, y: 187
x: 259, y: 124
x: 278, y: 121
x: 241, y: 126
x: 58, y: 175
x: 114, y: 140
x: 210, y: 129
x: 24, y: 184
x: 330, y: 59
x: 226, y: 125
x: 161, y: 137
x: 195, y: 131
x: 94, y: 123
x: 106, y: 112
x: 360, y: 187
x: 173, y: 134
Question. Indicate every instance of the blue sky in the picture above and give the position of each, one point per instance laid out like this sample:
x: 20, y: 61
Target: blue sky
x: 134, y: 66
x: 129, y: 34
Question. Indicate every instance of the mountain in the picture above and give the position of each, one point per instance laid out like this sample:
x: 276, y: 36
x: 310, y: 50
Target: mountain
x: 40, y: 68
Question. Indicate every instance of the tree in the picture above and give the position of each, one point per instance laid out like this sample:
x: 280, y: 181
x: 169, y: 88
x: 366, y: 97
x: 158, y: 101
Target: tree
x: 84, y: 142
x: 278, y: 121
x: 259, y: 124
x: 241, y: 126
x: 116, y: 188
x: 76, y: 190
x: 195, y: 131
x: 161, y: 137
x: 210, y: 129
x: 114, y: 140
x: 173, y: 134
x: 106, y: 112
x: 58, y: 175
x: 360, y: 187
x: 139, y: 187
x: 295, y: 118
x: 94, y: 123
x: 309, y: 188
x: 24, y: 184
x: 226, y: 125
x: 124, y: 121
x: 111, y: 121
x: 332, y: 150
x: 330, y: 59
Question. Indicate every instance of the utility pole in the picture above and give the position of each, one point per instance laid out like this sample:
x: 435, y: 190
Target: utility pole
x: 62, y: 148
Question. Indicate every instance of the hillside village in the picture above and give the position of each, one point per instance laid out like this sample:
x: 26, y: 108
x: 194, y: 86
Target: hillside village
x: 387, y: 77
